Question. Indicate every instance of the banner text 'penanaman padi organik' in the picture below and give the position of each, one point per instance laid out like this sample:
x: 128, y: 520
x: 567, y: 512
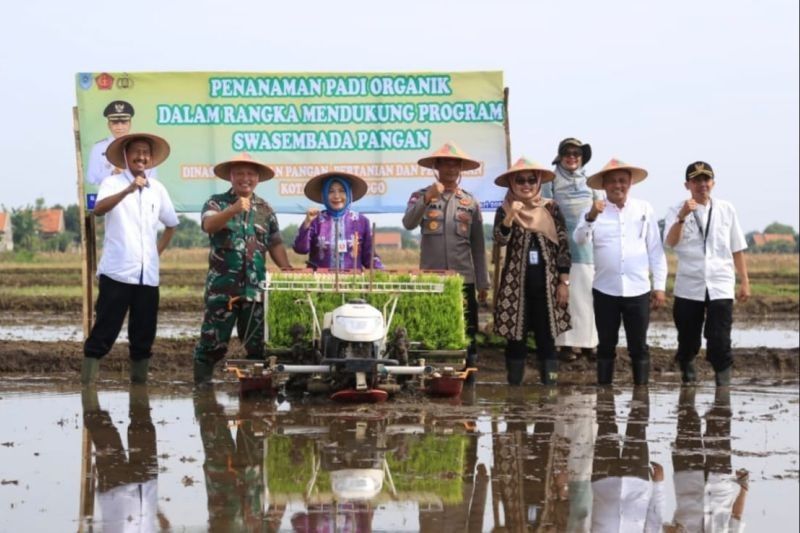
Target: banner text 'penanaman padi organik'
x: 375, y: 125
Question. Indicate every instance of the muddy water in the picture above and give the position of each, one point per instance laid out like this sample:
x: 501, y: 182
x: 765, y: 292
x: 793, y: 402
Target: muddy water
x: 172, y: 458
x: 778, y: 333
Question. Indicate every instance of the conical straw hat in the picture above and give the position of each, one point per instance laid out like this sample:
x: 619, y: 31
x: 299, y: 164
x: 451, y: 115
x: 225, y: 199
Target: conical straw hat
x: 451, y: 151
x: 223, y: 170
x: 522, y: 164
x: 595, y: 181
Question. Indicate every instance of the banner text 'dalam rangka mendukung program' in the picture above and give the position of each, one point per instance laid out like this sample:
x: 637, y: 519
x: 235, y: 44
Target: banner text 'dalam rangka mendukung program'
x: 375, y: 125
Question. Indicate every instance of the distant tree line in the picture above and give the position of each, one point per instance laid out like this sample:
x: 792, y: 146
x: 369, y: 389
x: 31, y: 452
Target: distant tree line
x: 27, y: 236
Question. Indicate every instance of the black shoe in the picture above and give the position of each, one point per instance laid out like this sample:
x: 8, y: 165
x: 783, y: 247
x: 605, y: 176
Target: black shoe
x: 567, y: 355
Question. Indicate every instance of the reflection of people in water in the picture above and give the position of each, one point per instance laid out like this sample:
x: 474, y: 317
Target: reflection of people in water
x: 232, y: 467
x: 127, y: 484
x: 576, y: 426
x: 707, y: 495
x: 529, y: 478
x: 627, y: 492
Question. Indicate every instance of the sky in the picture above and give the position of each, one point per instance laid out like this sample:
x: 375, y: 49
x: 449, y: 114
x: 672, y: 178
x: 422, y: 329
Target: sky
x: 657, y: 84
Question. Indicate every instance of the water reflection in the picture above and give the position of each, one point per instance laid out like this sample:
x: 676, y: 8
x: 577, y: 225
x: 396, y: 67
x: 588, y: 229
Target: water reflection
x: 123, y: 484
x: 708, y: 496
x: 523, y: 459
x: 323, y: 469
x: 233, y: 467
x: 627, y: 489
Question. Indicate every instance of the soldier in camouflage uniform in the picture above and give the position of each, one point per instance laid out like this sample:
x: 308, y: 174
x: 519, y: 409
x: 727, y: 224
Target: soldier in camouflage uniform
x: 452, y: 232
x: 241, y: 227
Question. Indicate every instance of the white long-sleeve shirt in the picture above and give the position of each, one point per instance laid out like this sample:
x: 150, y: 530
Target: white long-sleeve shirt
x: 130, y: 250
x: 627, y: 249
x: 627, y: 505
x: 705, y: 506
x: 705, y: 253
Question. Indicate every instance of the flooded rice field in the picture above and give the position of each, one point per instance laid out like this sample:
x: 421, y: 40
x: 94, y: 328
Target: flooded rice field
x: 168, y: 457
x: 780, y: 332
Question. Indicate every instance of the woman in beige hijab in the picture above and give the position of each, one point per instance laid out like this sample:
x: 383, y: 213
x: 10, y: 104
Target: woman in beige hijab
x: 533, y: 290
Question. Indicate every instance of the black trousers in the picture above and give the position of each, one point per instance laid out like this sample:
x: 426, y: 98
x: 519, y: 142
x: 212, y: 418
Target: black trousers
x: 114, y: 301
x: 537, y: 320
x: 471, y: 320
x: 633, y: 312
x: 689, y: 316
x: 115, y: 467
x: 710, y: 453
x: 630, y: 456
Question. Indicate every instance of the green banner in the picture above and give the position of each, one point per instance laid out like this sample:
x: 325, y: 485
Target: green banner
x: 375, y: 125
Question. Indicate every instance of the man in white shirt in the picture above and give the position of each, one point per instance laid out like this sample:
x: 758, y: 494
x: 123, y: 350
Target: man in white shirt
x: 709, y: 242
x: 627, y: 251
x: 708, y: 497
x: 627, y: 488
x: 126, y: 480
x: 135, y: 206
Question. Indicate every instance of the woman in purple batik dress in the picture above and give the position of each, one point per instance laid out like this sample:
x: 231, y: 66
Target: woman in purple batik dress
x: 337, y: 236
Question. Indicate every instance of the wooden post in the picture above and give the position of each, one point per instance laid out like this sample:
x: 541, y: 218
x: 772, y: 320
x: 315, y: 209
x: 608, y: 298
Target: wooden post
x: 88, y: 245
x: 87, y: 481
x: 87, y: 271
x: 497, y: 252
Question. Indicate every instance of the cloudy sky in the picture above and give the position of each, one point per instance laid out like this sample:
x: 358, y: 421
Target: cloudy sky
x: 659, y: 84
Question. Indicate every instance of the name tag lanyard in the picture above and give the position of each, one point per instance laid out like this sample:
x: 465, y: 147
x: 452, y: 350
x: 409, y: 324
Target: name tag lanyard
x: 704, y: 230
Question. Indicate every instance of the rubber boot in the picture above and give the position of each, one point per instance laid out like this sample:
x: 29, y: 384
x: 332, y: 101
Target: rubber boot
x: 139, y: 368
x: 471, y: 362
x: 516, y: 370
x: 202, y: 372
x: 641, y: 371
x: 89, y: 369
x: 89, y: 400
x: 139, y: 402
x: 549, y: 371
x: 605, y: 371
x: 723, y: 377
x: 686, y: 398
x: 688, y: 373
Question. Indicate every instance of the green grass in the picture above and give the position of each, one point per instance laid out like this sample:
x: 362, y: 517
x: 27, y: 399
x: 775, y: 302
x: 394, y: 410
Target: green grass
x: 436, y: 320
x: 432, y: 464
x: 75, y: 291
x: 774, y: 289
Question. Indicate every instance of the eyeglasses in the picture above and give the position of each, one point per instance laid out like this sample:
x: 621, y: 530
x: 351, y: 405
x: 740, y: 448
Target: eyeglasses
x: 572, y: 153
x: 530, y: 181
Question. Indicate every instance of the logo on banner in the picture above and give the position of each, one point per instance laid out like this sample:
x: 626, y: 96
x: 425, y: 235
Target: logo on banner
x: 85, y: 80
x: 104, y: 81
x: 124, y: 82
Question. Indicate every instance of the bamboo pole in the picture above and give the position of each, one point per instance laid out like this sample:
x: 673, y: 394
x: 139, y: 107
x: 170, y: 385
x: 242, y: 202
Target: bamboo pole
x: 86, y: 501
x: 88, y: 250
x: 87, y: 481
x: 372, y: 258
x: 497, y: 250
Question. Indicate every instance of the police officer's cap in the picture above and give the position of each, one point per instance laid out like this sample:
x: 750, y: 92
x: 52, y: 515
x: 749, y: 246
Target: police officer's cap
x: 118, y: 110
